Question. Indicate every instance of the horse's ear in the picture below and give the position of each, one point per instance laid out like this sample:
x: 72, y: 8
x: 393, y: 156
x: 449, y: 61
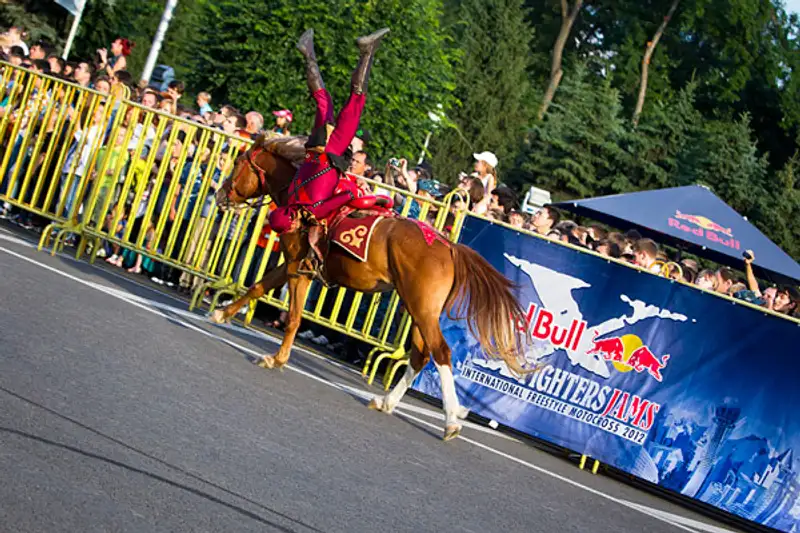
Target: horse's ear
x: 259, y: 140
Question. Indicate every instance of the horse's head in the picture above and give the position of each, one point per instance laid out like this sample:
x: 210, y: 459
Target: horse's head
x: 267, y: 168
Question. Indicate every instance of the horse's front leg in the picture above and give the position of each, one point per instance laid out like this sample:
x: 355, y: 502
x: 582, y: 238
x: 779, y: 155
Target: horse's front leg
x: 298, y: 288
x: 271, y: 280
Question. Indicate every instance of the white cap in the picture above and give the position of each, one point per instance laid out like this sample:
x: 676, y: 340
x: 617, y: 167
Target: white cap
x: 487, y: 157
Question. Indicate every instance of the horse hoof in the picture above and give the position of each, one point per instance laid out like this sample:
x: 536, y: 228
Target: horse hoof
x: 217, y: 317
x: 451, y: 432
x: 377, y: 405
x: 270, y: 363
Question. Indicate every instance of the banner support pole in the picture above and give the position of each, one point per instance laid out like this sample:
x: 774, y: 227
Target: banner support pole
x: 76, y: 21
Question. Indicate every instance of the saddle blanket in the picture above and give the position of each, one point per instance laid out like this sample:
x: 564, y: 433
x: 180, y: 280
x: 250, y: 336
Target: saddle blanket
x: 354, y: 234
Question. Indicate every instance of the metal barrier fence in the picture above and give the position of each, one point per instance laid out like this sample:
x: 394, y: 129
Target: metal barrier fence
x: 114, y: 174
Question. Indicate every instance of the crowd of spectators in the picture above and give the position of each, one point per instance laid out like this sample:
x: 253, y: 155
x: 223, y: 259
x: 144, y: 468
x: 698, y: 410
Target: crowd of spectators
x: 106, y: 73
x: 480, y: 191
x: 483, y: 194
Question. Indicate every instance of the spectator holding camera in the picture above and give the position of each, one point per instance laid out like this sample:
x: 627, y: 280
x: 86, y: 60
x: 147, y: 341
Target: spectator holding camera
x: 784, y: 300
x: 399, y: 175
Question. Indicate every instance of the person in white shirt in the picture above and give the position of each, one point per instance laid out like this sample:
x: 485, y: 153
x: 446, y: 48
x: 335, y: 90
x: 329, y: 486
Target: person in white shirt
x: 485, y: 170
x: 15, y: 35
x: 79, y: 155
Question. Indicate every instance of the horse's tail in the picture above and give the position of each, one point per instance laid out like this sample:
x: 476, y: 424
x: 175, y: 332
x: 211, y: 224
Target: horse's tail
x: 483, y: 296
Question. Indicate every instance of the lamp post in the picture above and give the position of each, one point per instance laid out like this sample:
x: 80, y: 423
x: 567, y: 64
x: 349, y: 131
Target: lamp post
x: 157, y: 40
x: 436, y: 119
x: 76, y: 8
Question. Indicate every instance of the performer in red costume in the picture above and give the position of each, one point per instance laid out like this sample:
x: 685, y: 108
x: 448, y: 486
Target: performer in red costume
x: 313, y: 193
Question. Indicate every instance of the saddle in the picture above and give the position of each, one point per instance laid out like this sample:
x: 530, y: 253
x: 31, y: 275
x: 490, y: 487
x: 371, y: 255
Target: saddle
x: 323, y: 232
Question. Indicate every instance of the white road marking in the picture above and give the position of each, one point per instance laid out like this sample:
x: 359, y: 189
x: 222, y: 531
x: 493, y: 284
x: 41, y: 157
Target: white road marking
x: 700, y: 526
x: 155, y: 307
x: 677, y: 521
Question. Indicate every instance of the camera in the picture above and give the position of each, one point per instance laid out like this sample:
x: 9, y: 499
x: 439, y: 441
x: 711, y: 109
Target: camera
x: 747, y: 255
x: 394, y: 162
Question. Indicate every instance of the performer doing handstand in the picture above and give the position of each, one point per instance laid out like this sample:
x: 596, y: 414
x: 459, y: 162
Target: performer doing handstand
x: 312, y: 193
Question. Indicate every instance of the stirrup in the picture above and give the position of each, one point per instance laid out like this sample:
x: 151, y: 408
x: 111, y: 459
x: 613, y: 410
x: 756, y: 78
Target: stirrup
x: 309, y: 266
x: 312, y: 267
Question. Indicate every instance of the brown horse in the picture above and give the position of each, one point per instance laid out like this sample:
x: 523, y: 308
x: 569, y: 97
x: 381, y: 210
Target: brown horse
x: 428, y: 278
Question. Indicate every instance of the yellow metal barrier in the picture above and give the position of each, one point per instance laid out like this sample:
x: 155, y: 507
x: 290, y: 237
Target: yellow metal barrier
x: 113, y: 173
x: 42, y: 118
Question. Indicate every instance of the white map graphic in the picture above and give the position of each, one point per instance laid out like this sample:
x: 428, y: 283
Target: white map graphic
x: 555, y: 292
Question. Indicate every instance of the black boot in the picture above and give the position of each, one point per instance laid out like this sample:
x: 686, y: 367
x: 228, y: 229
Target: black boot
x: 367, y: 46
x: 306, y: 46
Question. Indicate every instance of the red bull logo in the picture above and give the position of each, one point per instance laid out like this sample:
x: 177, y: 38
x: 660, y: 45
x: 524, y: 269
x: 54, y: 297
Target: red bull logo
x: 628, y: 353
x: 703, y: 222
x: 704, y: 227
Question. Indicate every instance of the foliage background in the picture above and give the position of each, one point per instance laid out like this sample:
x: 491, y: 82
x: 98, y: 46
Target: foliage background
x: 722, y: 107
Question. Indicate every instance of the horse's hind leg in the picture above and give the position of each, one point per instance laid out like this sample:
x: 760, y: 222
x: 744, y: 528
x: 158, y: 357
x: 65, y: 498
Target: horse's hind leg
x: 298, y: 288
x: 441, y: 358
x: 425, y: 306
x: 271, y: 280
x: 418, y: 359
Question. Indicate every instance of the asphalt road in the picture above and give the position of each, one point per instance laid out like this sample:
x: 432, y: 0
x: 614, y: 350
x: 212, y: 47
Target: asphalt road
x: 120, y: 411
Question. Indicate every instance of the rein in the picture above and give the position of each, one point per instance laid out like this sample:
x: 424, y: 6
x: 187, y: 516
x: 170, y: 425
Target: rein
x: 264, y: 188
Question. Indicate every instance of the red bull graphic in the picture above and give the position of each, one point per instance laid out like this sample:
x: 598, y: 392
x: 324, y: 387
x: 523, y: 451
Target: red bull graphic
x: 705, y: 227
x: 609, y: 408
x: 629, y: 353
x: 703, y: 222
x: 611, y: 349
x: 643, y: 359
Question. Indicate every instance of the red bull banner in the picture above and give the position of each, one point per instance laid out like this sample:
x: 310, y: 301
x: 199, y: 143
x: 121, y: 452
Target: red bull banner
x: 670, y: 384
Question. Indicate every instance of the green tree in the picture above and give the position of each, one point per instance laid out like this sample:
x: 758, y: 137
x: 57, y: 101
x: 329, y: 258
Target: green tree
x: 725, y: 157
x: 493, y: 39
x: 182, y: 42
x: 659, y: 143
x: 41, y: 19
x: 577, y: 151
x: 250, y: 61
x: 740, y: 53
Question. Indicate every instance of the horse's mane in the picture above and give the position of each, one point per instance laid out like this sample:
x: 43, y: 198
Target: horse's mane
x: 291, y: 148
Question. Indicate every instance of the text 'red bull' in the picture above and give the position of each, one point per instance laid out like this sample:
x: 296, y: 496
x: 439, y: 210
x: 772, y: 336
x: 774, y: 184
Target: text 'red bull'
x: 706, y: 228
x: 540, y: 325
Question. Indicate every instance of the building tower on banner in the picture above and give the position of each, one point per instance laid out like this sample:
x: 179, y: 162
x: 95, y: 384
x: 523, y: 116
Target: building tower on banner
x: 780, y: 482
x: 725, y: 418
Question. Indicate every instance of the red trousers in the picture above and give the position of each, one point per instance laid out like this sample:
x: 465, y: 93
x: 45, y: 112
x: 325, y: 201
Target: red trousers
x: 314, y: 186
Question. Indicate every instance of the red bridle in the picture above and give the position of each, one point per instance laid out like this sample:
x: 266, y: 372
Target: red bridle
x: 249, y: 156
x: 264, y: 189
